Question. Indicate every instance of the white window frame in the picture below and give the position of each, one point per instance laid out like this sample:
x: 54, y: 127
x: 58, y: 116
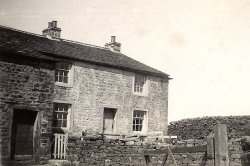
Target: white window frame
x: 70, y: 75
x: 68, y: 125
x: 145, y: 85
x: 144, y: 123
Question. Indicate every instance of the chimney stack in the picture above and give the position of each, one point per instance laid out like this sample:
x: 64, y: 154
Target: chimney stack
x: 52, y: 30
x: 113, y: 45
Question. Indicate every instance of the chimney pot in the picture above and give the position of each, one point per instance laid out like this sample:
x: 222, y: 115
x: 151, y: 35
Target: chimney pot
x: 49, y: 24
x: 112, y: 39
x: 54, y: 24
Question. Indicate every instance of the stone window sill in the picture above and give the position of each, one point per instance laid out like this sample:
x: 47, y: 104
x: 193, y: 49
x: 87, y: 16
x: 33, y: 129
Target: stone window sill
x: 141, y: 94
x: 63, y: 84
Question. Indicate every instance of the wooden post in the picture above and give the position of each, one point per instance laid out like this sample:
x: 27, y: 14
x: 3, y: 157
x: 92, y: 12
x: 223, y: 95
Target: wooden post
x: 210, y: 151
x: 55, y: 146
x: 164, y: 159
x: 220, y: 145
x: 36, y: 137
x: 65, y: 145
x: 61, y: 145
x: 172, y: 156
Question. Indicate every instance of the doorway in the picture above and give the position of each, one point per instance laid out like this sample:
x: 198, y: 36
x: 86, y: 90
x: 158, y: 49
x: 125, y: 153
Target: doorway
x: 23, y: 134
x: 109, y: 121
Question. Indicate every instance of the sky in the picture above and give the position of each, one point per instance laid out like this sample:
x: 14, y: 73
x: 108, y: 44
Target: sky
x: 204, y: 45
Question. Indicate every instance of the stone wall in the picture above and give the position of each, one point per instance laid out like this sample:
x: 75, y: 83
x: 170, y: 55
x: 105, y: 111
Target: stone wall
x: 100, y: 151
x: 95, y: 88
x: 235, y: 152
x: 97, y: 150
x: 202, y: 127
x: 25, y: 83
x: 238, y: 150
x: 245, y: 159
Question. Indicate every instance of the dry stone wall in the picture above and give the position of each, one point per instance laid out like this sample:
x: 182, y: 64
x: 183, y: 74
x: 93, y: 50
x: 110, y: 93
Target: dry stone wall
x: 97, y: 150
x: 202, y: 127
x: 191, y: 131
x: 238, y: 151
x: 235, y: 152
x: 101, y: 151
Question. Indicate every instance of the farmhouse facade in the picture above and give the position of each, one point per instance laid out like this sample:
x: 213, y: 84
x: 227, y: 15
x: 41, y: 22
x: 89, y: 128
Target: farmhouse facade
x: 49, y: 84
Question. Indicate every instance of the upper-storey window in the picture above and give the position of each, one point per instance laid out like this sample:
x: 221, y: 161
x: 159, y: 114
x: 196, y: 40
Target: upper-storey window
x: 140, y: 84
x: 62, y: 72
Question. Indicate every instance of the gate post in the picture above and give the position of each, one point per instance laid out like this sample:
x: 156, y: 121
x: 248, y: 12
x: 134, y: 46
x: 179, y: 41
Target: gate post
x: 220, y: 145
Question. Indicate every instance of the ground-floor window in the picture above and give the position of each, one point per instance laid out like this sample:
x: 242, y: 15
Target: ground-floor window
x: 61, y: 115
x: 139, y: 121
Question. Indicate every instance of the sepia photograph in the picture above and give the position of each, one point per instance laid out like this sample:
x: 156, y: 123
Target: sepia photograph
x: 122, y: 82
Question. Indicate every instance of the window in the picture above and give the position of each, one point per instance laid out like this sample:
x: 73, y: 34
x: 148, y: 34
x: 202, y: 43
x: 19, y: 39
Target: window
x: 139, y: 121
x: 62, y: 72
x: 140, y: 84
x: 61, y: 115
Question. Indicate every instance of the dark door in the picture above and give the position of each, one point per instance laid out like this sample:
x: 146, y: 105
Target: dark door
x: 22, y: 134
x: 109, y: 125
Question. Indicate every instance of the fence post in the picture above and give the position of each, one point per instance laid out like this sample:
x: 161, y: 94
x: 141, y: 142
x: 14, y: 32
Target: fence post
x: 55, y: 146
x: 220, y: 145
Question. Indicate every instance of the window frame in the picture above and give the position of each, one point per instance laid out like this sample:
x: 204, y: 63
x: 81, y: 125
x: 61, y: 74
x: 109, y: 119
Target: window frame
x: 70, y: 70
x: 144, y: 129
x: 145, y: 85
x: 68, y: 118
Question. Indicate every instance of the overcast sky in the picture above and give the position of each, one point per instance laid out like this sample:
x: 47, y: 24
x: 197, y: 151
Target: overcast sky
x: 203, y: 44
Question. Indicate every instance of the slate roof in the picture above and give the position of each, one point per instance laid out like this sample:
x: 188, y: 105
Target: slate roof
x: 41, y: 46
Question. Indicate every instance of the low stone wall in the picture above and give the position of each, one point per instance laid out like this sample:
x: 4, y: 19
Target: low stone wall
x: 96, y: 150
x: 202, y: 127
x: 235, y: 152
x: 100, y: 151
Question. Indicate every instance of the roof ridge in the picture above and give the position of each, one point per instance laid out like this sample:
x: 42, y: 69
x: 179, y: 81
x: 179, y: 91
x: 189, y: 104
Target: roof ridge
x: 60, y: 39
x: 85, y: 44
x: 13, y: 29
x: 81, y: 51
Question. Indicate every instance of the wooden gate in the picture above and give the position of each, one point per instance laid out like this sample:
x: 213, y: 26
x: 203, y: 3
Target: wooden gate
x: 60, y: 145
x: 216, y: 150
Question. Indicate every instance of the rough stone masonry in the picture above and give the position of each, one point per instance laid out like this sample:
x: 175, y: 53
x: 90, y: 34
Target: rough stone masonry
x: 25, y: 84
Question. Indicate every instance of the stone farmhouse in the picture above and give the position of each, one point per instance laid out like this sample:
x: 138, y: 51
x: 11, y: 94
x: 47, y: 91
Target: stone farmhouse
x: 49, y: 84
